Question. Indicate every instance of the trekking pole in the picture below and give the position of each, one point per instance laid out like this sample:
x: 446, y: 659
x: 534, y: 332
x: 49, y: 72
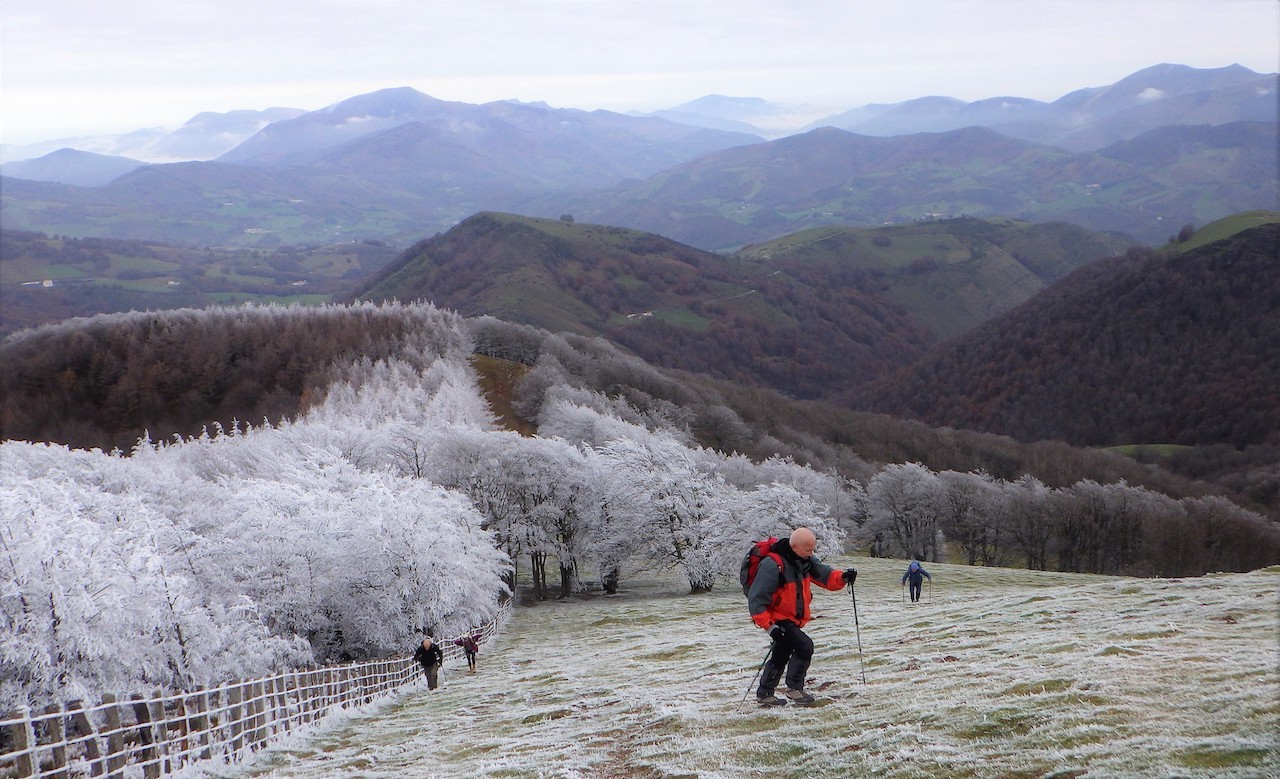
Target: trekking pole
x: 858, y: 627
x: 902, y: 594
x: 931, y: 590
x: 759, y: 671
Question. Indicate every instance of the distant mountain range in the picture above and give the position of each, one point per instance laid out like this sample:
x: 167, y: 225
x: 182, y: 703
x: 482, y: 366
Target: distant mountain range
x: 1083, y: 120
x: 1169, y: 145
x: 1087, y: 119
x: 1146, y: 187
x: 203, y: 137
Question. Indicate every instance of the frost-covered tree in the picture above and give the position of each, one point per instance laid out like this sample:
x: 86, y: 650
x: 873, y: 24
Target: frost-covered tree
x: 843, y: 500
x: 244, y: 550
x: 970, y: 508
x: 775, y: 510
x: 90, y: 602
x: 667, y: 502
x: 902, y: 511
x: 1029, y: 521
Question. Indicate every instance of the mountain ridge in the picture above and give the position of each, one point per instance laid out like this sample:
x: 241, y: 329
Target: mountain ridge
x: 1155, y: 85
x: 1149, y: 347
x: 742, y: 195
x: 818, y: 311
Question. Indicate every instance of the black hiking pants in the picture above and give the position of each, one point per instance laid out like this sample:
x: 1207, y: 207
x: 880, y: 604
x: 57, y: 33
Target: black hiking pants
x: 792, y: 653
x: 915, y: 589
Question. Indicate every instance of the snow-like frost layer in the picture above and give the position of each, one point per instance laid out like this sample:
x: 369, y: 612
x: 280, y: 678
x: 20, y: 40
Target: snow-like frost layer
x: 994, y: 673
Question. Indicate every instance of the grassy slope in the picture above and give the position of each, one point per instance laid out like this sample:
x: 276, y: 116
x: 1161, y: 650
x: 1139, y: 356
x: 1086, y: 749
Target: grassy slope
x: 1224, y: 228
x: 999, y: 673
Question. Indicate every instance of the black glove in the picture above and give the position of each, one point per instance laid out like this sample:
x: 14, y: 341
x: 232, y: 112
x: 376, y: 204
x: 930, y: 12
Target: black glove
x: 776, y: 632
x: 850, y: 576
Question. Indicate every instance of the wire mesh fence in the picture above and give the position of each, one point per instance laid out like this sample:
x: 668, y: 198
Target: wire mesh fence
x: 149, y: 735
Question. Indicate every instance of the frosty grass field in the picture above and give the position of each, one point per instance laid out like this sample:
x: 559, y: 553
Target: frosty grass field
x: 1000, y: 673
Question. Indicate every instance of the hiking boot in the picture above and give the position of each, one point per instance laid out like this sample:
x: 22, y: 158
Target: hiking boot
x: 800, y: 697
x: 769, y: 699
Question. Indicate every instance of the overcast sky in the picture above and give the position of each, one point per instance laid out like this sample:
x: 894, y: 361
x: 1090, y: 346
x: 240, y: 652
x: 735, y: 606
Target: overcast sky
x: 77, y: 67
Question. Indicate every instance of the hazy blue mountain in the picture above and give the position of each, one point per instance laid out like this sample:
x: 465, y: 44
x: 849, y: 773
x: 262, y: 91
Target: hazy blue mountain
x: 738, y: 114
x: 935, y: 114
x: 920, y: 115
x: 71, y: 166
x: 110, y: 145
x: 1146, y: 188
x: 334, y: 125
x: 203, y: 137
x: 208, y: 135
x: 396, y: 164
x: 639, y: 146
x: 1090, y: 118
x: 1150, y: 85
x: 326, y: 175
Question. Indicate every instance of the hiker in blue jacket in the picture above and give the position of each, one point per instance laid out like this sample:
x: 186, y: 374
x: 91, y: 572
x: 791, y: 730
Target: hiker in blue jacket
x: 916, y: 573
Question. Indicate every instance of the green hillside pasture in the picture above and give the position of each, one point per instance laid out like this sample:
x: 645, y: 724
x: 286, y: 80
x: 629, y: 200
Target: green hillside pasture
x: 950, y: 295
x: 996, y: 673
x: 1158, y: 450
x: 1225, y: 228
x: 235, y: 298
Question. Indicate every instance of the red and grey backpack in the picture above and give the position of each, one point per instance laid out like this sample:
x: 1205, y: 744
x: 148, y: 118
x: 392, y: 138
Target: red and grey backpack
x: 751, y: 561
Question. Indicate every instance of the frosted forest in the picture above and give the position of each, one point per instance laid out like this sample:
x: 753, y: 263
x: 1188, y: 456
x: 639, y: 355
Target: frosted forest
x: 396, y: 504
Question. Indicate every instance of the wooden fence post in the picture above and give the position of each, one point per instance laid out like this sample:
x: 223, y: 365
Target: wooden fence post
x: 146, y: 737
x: 215, y: 701
x: 88, y: 736
x: 258, y: 707
x: 179, y: 749
x: 233, y: 715
x: 160, y: 732
x: 281, y: 686
x: 23, y: 738
x: 56, y: 733
x: 198, y: 724
x: 115, y: 738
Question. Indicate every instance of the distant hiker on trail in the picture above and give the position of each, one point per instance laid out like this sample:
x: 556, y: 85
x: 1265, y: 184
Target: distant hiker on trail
x: 917, y: 574
x: 428, y: 653
x: 778, y: 599
x: 470, y: 645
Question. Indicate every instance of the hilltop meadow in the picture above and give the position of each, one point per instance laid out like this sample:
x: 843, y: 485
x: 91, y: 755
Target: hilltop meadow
x: 995, y: 673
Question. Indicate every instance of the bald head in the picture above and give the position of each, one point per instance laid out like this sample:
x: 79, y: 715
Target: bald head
x: 803, y: 542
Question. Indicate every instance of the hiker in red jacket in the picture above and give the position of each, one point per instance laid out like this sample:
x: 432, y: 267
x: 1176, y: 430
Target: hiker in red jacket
x: 778, y: 600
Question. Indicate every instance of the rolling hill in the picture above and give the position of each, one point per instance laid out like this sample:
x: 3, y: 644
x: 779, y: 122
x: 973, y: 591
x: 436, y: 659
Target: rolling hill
x: 1151, y: 347
x: 949, y: 275
x: 816, y: 314
x: 71, y: 166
